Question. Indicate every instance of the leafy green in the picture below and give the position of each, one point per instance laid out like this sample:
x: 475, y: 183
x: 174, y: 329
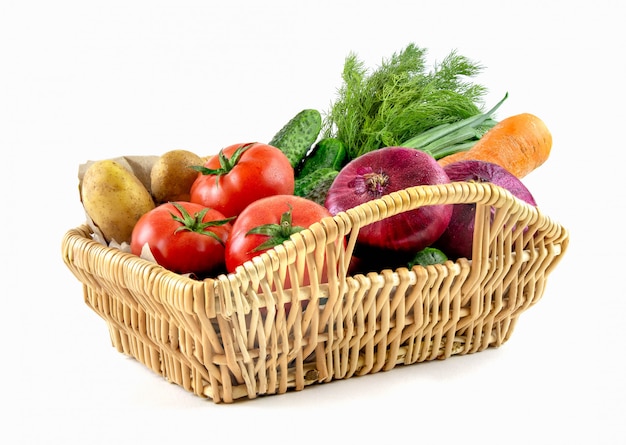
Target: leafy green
x: 400, y: 99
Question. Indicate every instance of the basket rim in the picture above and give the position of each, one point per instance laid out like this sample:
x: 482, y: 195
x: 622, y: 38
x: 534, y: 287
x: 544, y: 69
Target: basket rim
x: 191, y: 293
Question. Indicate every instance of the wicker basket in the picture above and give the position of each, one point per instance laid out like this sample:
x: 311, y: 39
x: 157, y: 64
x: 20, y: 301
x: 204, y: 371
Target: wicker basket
x: 234, y: 337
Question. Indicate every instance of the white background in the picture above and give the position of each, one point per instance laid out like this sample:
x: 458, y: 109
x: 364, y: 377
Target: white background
x: 89, y: 80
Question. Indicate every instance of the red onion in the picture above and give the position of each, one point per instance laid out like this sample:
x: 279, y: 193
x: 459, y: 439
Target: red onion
x: 458, y: 238
x: 379, y: 173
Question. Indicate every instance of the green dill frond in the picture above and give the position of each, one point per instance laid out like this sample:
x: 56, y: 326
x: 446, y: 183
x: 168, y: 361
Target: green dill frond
x: 400, y: 99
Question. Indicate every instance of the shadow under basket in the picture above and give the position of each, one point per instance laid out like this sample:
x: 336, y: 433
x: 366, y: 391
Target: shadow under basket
x: 243, y: 335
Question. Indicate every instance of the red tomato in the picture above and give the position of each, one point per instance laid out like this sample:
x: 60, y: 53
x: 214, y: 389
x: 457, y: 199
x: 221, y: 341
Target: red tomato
x: 183, y: 237
x: 241, y: 174
x: 273, y: 219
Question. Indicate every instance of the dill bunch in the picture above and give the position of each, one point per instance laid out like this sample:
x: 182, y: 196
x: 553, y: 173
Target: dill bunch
x: 400, y: 99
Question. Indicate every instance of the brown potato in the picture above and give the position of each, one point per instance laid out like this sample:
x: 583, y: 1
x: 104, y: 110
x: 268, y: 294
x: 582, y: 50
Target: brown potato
x: 171, y: 175
x: 114, y: 198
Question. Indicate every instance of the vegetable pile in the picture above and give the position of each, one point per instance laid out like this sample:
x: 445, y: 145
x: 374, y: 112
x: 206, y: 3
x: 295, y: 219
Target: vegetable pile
x: 390, y: 128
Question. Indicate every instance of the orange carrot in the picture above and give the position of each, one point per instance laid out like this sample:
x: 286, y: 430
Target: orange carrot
x: 519, y: 143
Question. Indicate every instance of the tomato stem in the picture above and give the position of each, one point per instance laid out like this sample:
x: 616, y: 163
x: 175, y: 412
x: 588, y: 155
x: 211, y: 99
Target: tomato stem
x: 226, y: 163
x: 276, y: 233
x: 195, y: 223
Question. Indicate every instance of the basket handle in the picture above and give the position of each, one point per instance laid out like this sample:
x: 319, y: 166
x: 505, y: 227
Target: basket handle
x: 320, y: 254
x: 322, y: 239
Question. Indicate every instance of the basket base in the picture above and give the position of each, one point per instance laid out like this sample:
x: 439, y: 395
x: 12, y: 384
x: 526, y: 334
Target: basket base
x: 130, y: 336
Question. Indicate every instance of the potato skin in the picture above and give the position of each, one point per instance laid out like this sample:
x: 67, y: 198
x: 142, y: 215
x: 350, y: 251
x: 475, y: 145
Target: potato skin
x: 114, y: 198
x: 171, y: 176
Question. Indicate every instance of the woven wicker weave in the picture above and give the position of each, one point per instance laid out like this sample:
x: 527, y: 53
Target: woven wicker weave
x: 230, y: 338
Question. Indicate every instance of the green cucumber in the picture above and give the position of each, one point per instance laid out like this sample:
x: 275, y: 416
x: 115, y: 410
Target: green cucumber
x: 328, y: 152
x: 315, y: 185
x: 298, y: 135
x: 428, y: 256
